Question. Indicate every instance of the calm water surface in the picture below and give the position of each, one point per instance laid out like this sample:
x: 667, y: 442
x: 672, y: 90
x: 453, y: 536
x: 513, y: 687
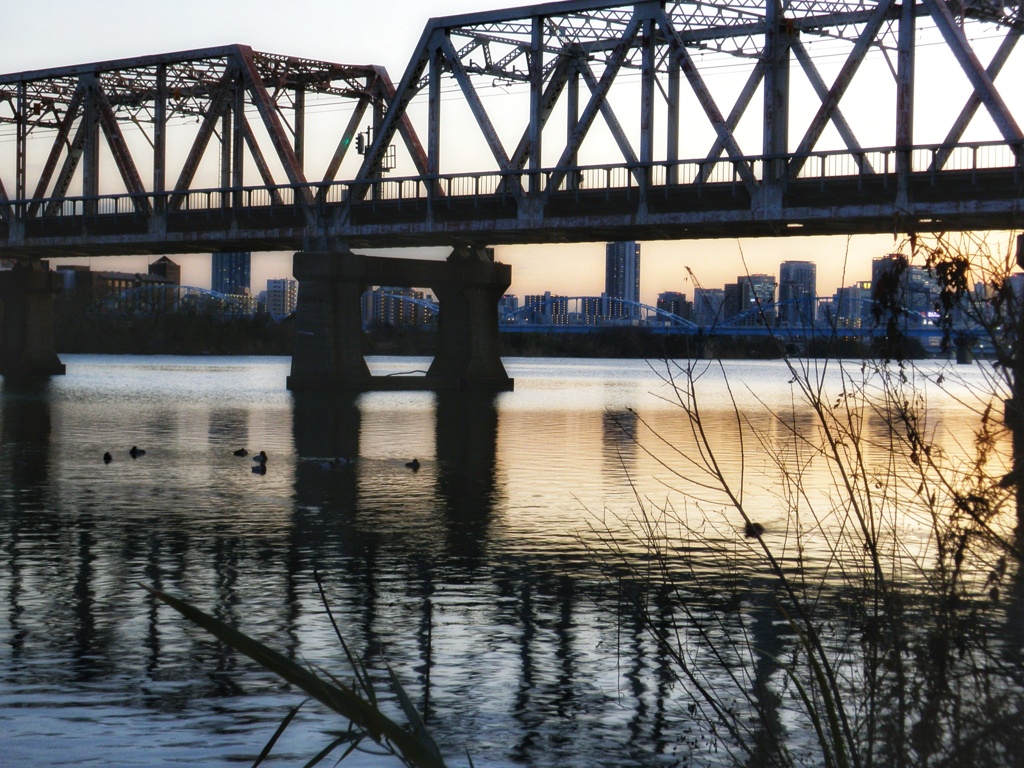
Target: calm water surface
x: 472, y: 577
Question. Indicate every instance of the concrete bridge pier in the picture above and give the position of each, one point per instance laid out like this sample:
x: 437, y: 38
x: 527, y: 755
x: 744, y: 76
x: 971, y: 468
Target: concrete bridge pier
x: 328, y: 343
x: 328, y: 330
x: 468, y: 288
x: 26, y: 347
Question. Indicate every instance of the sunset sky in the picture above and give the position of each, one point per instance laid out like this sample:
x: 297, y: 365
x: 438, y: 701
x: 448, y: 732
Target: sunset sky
x: 52, y: 33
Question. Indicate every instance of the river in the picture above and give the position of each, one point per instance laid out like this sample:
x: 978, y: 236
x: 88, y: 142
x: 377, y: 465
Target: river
x: 481, y: 578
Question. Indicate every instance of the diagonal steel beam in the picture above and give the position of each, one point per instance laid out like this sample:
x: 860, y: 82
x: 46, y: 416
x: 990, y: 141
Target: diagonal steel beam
x: 476, y: 106
x: 385, y: 91
x: 60, y: 145
x: 742, y: 102
x: 843, y: 127
x: 396, y: 115
x: 979, y: 78
x: 829, y: 104
x: 272, y: 122
x: 598, y: 103
x: 219, y: 102
x: 119, y: 149
x: 974, y: 100
x: 68, y: 168
x: 608, y: 113
x: 346, y: 141
x: 258, y: 158
x: 684, y: 61
x: 556, y: 85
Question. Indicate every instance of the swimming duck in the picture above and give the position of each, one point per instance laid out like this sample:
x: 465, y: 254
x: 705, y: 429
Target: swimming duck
x: 241, y: 452
x: 259, y: 469
x: 135, y: 452
x: 107, y: 458
x: 414, y: 465
x: 753, y: 530
x: 260, y: 458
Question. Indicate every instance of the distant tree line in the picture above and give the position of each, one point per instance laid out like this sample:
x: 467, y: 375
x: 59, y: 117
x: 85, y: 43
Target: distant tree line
x: 80, y: 329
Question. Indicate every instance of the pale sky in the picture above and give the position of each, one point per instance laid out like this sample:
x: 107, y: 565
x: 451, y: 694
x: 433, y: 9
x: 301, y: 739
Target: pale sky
x: 41, y: 34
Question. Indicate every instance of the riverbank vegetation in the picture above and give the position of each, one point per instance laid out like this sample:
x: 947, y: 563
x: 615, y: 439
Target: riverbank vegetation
x: 877, y: 622
x: 78, y: 331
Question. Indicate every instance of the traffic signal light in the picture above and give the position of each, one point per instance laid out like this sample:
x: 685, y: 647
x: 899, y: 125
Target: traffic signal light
x: 360, y: 143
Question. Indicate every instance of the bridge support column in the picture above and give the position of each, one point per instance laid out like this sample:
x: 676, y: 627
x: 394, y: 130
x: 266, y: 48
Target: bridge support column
x: 27, y: 348
x: 468, y: 291
x: 328, y: 330
x: 328, y: 342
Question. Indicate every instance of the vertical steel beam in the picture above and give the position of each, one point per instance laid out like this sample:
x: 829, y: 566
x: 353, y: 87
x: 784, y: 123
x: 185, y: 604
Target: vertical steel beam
x: 434, y: 120
x: 672, y: 126
x: 21, y: 118
x: 904, y: 101
x: 160, y: 139
x: 226, y: 135
x: 300, y: 126
x: 536, y: 64
x: 572, y: 118
x: 775, y: 133
x: 648, y: 76
x: 91, y: 147
x: 557, y: 80
x: 239, y: 131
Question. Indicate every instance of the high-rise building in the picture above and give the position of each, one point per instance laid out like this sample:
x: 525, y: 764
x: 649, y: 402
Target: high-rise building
x: 675, y: 303
x: 230, y: 273
x: 508, y: 308
x: 708, y: 306
x: 848, y: 305
x: 396, y: 305
x: 622, y: 278
x: 164, y: 267
x: 752, y: 299
x: 282, y: 296
x: 902, y: 287
x: 547, y: 309
x: 798, y: 292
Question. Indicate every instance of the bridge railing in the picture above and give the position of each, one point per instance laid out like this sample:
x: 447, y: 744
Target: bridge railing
x: 929, y: 162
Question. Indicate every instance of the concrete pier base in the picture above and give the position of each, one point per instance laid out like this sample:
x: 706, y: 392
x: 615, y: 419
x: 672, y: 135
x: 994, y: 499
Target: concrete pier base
x: 328, y: 354
x: 27, y: 339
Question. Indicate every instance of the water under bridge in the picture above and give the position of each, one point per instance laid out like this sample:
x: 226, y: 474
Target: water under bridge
x: 571, y: 121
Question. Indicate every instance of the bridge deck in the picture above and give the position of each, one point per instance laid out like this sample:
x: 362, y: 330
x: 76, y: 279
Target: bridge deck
x: 480, y: 208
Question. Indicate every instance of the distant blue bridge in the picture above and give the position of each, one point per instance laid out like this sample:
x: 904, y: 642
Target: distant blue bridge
x: 151, y: 299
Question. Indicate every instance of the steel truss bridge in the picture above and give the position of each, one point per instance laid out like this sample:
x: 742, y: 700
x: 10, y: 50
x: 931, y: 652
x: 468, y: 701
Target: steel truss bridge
x: 576, y: 121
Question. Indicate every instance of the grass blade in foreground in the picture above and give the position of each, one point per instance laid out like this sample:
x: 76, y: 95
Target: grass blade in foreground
x: 336, y: 697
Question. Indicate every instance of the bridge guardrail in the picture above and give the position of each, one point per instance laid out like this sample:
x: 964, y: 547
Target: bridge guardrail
x: 884, y: 164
